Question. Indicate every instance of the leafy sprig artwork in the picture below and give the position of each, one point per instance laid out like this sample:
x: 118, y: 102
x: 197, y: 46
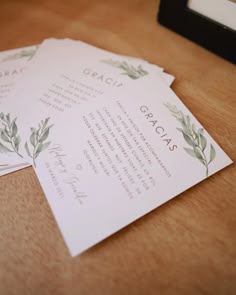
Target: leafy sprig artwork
x: 38, y: 139
x: 194, y: 138
x: 10, y: 140
x: 129, y: 70
x: 28, y: 53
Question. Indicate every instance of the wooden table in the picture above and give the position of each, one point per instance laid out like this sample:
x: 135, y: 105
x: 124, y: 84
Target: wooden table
x: 187, y: 246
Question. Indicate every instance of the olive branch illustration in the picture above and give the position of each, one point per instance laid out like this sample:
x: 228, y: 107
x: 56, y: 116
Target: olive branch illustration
x: 10, y: 140
x: 194, y: 138
x: 129, y: 70
x: 37, y: 140
x: 28, y: 53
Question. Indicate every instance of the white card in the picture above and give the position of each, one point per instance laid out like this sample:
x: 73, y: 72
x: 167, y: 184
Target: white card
x: 43, y: 65
x: 110, y: 163
x: 12, y: 66
x: 105, y: 163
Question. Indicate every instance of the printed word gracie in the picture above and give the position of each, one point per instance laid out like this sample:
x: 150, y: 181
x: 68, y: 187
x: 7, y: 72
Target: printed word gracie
x: 8, y: 73
x: 102, y: 78
x: 160, y: 130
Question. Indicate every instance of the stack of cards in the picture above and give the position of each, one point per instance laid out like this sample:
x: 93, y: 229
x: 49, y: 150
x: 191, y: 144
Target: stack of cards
x: 108, y: 138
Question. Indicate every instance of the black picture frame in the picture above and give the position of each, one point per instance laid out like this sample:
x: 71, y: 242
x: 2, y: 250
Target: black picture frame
x: 177, y: 16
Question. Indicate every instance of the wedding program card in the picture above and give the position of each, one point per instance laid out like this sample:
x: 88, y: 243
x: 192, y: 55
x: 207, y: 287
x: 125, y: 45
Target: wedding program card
x: 12, y: 66
x: 54, y: 55
x: 109, y: 140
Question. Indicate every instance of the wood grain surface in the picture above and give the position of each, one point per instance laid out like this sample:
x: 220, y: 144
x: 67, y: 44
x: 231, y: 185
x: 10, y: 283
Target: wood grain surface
x: 188, y: 245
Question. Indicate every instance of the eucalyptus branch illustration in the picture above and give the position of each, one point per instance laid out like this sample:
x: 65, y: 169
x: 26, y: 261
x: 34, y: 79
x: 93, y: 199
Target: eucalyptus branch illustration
x: 129, y: 70
x: 194, y: 138
x: 8, y: 134
x: 29, y: 53
x: 37, y: 140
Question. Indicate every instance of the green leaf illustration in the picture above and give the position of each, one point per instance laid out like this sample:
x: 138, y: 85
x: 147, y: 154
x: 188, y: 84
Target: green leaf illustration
x: 17, y: 141
x: 8, y: 119
x: 198, y: 155
x: 14, y: 128
x: 9, y: 134
x: 212, y: 154
x: 6, y: 131
x: 45, y: 134
x: 25, y: 53
x: 4, y: 137
x: 188, y: 121
x: 179, y: 129
x: 142, y: 71
x: 188, y: 139
x: 190, y: 152
x: 4, y: 149
x: 194, y: 138
x: 45, y: 122
x: 129, y: 70
x: 41, y: 147
x: 33, y: 139
x: 27, y: 150
x: 203, y: 141
x: 200, y: 131
x: 37, y: 140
